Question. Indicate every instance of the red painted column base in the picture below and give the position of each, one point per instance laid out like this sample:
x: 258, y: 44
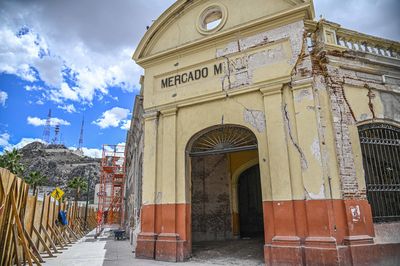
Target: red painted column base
x: 284, y: 250
x: 165, y: 232
x: 375, y: 254
x: 323, y: 232
x: 146, y: 245
x: 366, y: 255
x: 170, y: 248
x: 321, y: 250
x: 163, y: 247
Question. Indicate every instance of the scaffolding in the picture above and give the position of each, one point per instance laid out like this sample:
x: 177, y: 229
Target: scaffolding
x: 111, y: 189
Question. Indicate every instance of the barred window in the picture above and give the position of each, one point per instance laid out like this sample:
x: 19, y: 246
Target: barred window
x: 380, y: 145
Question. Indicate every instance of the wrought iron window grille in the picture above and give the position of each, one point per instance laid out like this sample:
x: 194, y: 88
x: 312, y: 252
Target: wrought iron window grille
x: 380, y: 145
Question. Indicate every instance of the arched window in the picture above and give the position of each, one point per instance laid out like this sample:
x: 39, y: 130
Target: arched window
x: 223, y: 139
x: 380, y: 145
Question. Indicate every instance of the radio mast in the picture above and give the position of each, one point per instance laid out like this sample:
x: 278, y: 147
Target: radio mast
x: 46, y: 131
x: 80, y: 144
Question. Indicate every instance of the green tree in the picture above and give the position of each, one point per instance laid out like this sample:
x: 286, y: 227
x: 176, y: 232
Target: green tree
x: 36, y: 179
x: 79, y: 184
x: 10, y: 160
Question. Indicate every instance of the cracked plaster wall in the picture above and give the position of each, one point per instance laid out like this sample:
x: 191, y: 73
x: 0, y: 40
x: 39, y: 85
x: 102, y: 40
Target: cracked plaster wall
x: 240, y: 71
x: 305, y: 128
x: 355, y: 96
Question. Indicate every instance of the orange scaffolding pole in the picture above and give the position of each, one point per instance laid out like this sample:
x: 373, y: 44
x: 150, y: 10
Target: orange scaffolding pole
x: 111, y: 189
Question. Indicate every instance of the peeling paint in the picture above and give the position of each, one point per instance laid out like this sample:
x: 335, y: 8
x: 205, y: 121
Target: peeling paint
x: 293, y: 31
x: 367, y: 76
x: 336, y: 119
x: 315, y: 150
x: 255, y: 118
x: 158, y: 197
x: 393, y: 81
x: 365, y: 116
x: 391, y: 105
x: 239, y: 71
x: 355, y: 213
x: 320, y: 195
x: 303, y: 94
x: 266, y: 57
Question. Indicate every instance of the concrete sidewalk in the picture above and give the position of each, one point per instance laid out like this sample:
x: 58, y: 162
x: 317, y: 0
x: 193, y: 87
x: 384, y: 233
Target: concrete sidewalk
x: 105, y: 251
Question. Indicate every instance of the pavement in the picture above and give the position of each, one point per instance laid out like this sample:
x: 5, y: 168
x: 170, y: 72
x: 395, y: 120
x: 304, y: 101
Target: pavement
x: 105, y: 251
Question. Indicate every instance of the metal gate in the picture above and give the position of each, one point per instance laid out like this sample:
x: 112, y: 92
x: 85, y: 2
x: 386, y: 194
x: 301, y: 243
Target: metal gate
x: 250, y: 203
x: 380, y: 145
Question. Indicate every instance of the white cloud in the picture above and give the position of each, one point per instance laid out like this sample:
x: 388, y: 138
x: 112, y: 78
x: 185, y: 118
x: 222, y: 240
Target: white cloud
x: 26, y: 141
x: 70, y: 108
x: 17, y: 52
x: 33, y: 88
x: 95, y: 57
x: 126, y: 124
x: 112, y: 118
x: 50, y: 70
x: 92, y: 51
x: 36, y: 121
x: 69, y: 93
x: 111, y: 149
x: 3, y: 98
x: 4, y: 138
x: 94, y: 153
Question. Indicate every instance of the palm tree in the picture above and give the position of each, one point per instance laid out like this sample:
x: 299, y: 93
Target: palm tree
x: 11, y: 161
x: 36, y: 179
x: 79, y: 184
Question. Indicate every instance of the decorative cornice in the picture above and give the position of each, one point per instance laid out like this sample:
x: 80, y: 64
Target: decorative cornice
x: 150, y: 115
x: 302, y: 83
x: 169, y: 111
x: 274, y: 86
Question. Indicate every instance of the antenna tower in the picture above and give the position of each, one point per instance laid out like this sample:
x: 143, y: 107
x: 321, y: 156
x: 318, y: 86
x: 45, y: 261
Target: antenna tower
x: 56, y: 132
x: 46, y: 131
x: 61, y: 139
x: 80, y: 144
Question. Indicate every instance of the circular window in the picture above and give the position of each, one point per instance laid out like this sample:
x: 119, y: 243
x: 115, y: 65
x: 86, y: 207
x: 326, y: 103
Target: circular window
x: 211, y: 19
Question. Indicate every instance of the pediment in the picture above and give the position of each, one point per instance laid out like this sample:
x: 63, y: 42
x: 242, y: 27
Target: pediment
x: 184, y: 23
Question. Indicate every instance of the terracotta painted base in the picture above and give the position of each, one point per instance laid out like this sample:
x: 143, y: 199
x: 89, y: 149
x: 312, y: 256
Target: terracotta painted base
x: 146, y: 246
x: 164, y: 233
x: 322, y: 232
x: 365, y: 255
x: 304, y: 232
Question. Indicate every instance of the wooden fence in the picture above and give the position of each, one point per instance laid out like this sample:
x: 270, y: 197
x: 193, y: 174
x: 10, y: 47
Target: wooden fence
x: 29, y: 226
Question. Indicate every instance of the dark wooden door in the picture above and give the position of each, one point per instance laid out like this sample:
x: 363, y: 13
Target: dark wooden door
x: 250, y: 203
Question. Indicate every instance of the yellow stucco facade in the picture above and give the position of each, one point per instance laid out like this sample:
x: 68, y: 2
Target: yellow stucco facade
x: 257, y: 70
x: 207, y: 100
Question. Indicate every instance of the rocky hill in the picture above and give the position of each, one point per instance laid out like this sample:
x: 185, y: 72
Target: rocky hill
x: 60, y: 165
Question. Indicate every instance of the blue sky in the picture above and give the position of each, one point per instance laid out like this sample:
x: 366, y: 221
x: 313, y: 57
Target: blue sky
x: 74, y: 57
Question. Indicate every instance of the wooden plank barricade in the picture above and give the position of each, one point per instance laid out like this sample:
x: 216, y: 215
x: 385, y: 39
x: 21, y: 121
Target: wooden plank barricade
x: 29, y: 227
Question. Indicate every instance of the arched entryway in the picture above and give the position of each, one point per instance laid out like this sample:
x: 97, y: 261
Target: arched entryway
x: 224, y: 171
